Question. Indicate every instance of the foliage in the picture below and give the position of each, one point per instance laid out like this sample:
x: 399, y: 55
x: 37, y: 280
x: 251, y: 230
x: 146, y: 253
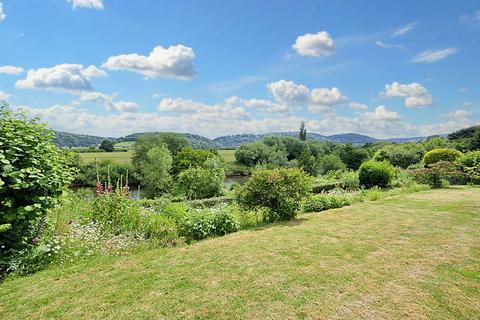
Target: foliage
x: 353, y: 157
x: 376, y: 174
x: 320, y: 202
x: 444, y: 154
x: 279, y: 191
x: 188, y: 158
x: 88, y: 173
x: 440, y: 174
x: 308, y: 163
x: 34, y: 173
x: 260, y: 153
x: 107, y: 146
x: 201, y: 182
x: 303, y: 132
x: 400, y: 155
x: 154, y: 171
x: 330, y: 162
x: 172, y: 141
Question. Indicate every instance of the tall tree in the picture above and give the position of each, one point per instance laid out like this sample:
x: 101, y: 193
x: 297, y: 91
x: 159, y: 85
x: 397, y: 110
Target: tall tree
x: 303, y: 132
x: 107, y: 146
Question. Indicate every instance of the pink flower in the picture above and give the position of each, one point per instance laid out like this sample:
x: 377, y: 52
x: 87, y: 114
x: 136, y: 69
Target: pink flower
x: 99, y: 191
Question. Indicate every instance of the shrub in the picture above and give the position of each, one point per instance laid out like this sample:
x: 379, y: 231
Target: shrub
x: 33, y: 174
x: 279, y: 191
x: 375, y: 174
x: 188, y: 158
x: 308, y: 162
x: 353, y: 157
x: 320, y: 202
x: 153, y: 171
x: 441, y: 174
x: 400, y: 155
x: 329, y: 163
x: 471, y: 163
x: 225, y: 222
x: 444, y: 154
x: 200, y: 183
x: 196, y: 225
x: 159, y: 227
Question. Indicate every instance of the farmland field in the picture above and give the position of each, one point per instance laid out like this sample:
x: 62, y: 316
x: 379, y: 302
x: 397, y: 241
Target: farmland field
x: 124, y: 157
x: 118, y: 157
x: 413, y: 256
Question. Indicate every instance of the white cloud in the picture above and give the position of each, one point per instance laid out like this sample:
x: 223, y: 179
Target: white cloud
x: 11, y: 70
x: 473, y: 20
x: 90, y: 4
x: 264, y: 106
x: 92, y: 71
x: 415, y: 94
x: 382, y: 114
x: 317, y: 99
x: 289, y: 92
x: 4, y: 96
x: 174, y: 62
x: 357, y: 106
x: 73, y: 78
x: 387, y: 45
x: 458, y: 114
x: 403, y: 30
x: 2, y: 14
x: 314, y: 45
x: 433, y: 56
x: 107, y: 101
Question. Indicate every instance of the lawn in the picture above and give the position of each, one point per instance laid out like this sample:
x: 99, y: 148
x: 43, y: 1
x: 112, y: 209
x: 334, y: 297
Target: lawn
x: 124, y: 157
x: 118, y: 157
x: 228, y: 155
x: 413, y: 256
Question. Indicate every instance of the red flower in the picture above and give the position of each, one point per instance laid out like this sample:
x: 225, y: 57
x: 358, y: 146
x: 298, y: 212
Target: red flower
x: 99, y: 191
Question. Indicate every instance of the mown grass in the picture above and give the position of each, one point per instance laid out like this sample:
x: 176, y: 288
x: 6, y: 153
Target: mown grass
x: 411, y: 256
x: 118, y: 157
x: 125, y: 157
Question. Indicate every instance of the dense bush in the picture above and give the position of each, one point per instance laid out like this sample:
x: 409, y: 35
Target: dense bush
x: 200, y: 183
x: 320, y: 202
x: 33, y: 175
x: 400, y: 155
x: 279, y: 191
x: 189, y: 158
x: 260, y: 153
x: 441, y: 174
x: 353, y: 157
x: 153, y: 171
x: 308, y: 163
x: 375, y: 174
x: 330, y: 162
x: 89, y: 173
x: 444, y: 154
x: 471, y: 163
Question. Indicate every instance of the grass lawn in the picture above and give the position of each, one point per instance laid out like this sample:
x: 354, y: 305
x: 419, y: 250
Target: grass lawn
x: 414, y: 256
x: 124, y: 157
x: 119, y: 157
x: 228, y: 155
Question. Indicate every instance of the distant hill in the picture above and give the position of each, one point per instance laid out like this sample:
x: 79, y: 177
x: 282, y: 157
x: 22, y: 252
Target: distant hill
x: 74, y: 140
x: 71, y: 140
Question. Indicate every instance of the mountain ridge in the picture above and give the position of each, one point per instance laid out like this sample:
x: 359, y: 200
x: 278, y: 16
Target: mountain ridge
x: 72, y: 140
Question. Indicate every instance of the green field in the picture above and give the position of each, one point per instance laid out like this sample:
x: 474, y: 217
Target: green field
x: 118, y: 157
x: 124, y: 157
x: 413, y: 256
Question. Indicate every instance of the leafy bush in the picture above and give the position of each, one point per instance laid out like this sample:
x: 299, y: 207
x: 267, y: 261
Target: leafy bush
x: 444, y: 154
x: 279, y: 191
x: 188, y: 158
x: 159, y: 227
x: 330, y: 162
x: 259, y: 152
x: 154, y: 171
x: 320, y: 202
x: 308, y: 162
x: 376, y: 174
x: 400, y: 155
x: 200, y: 183
x: 353, y: 157
x: 196, y: 225
x: 225, y: 222
x: 471, y: 163
x: 440, y: 174
x: 89, y: 173
x: 33, y: 175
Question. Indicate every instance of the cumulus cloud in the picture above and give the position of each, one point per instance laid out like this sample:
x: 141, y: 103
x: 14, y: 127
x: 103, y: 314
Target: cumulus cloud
x: 108, y: 101
x: 175, y: 62
x: 73, y: 78
x: 317, y: 99
x: 433, y: 56
x: 90, y: 4
x: 2, y: 14
x: 11, y: 70
x: 415, y: 94
x: 458, y: 114
x: 4, y: 96
x: 403, y: 30
x: 382, y: 114
x: 357, y: 106
x: 314, y: 45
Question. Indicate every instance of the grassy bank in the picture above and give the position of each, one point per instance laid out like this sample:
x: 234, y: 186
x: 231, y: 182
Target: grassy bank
x: 124, y: 157
x: 409, y: 256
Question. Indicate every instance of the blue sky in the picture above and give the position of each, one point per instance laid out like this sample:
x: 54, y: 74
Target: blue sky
x: 114, y: 67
